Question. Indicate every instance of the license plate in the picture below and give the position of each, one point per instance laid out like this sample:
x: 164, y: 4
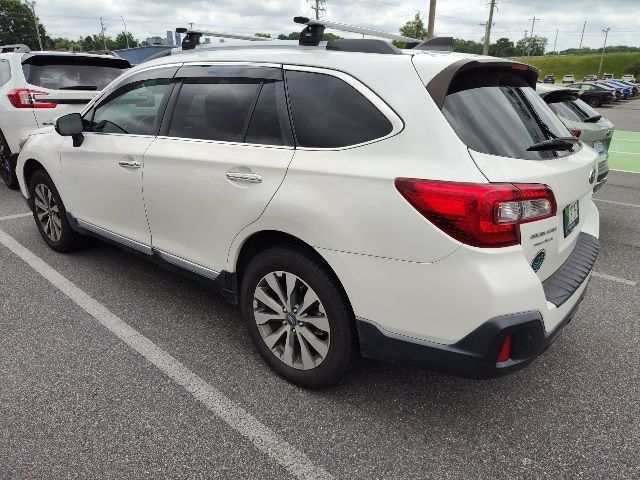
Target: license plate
x: 599, y: 148
x: 570, y: 217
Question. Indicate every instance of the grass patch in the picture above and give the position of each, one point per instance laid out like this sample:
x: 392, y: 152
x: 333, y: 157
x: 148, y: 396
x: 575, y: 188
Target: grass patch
x: 581, y: 65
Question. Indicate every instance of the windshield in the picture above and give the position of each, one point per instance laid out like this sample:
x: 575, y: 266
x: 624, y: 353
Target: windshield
x: 500, y: 114
x: 72, y: 73
x: 576, y: 111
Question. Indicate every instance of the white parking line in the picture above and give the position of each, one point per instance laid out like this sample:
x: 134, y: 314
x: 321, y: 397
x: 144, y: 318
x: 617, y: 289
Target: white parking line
x: 614, y: 279
x: 617, y: 203
x: 17, y: 215
x: 262, y: 437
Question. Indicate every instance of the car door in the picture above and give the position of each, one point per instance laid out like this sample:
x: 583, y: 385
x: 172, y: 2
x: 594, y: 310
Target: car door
x: 223, y: 151
x: 102, y: 177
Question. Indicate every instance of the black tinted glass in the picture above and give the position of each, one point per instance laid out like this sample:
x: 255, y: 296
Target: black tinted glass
x: 264, y: 127
x: 213, y: 111
x: 133, y: 110
x: 5, y: 72
x: 576, y: 111
x: 72, y: 73
x: 502, y: 117
x: 329, y: 113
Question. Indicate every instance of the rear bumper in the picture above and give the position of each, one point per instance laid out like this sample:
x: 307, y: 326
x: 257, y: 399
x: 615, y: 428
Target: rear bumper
x: 603, y: 175
x: 475, y: 355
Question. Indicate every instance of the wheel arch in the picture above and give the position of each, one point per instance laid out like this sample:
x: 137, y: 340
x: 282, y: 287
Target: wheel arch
x: 30, y: 167
x: 264, y: 239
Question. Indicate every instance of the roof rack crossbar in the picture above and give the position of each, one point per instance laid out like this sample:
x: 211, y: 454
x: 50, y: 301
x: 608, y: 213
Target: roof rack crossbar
x: 311, y: 23
x: 192, y: 37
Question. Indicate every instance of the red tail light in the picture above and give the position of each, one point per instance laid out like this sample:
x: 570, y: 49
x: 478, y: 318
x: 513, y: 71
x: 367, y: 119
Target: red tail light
x: 505, y: 350
x: 575, y: 132
x: 479, y: 214
x: 24, y: 98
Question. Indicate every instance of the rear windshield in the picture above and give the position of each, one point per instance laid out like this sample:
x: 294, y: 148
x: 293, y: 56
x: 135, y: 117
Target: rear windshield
x: 576, y: 111
x: 497, y: 112
x: 72, y: 73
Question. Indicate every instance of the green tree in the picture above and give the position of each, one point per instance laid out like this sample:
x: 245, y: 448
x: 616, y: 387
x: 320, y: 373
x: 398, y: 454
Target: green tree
x: 120, y: 41
x: 633, y: 69
x: 503, y: 48
x: 535, y: 46
x: 413, y: 28
x: 17, y: 25
x: 263, y: 35
x: 467, y: 46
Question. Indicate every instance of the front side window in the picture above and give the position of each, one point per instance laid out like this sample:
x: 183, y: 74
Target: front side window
x: 498, y: 113
x: 134, y: 109
x: 216, y: 110
x: 329, y: 113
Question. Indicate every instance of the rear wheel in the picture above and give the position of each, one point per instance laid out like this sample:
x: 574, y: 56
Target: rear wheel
x: 7, y: 165
x: 51, y: 216
x: 595, y: 102
x: 297, y: 317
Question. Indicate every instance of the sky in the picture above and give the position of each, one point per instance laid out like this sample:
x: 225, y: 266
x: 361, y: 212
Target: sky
x: 458, y: 18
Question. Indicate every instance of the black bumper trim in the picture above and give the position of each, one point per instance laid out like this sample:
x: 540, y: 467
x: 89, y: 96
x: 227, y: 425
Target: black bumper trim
x: 564, y: 282
x: 475, y: 355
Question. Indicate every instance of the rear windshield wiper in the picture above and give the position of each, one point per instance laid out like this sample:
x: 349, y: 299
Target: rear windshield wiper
x: 79, y: 87
x: 559, y: 143
x: 593, y: 119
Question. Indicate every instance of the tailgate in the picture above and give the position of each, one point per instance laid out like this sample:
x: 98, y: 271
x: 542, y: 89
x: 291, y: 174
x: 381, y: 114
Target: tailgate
x: 66, y: 102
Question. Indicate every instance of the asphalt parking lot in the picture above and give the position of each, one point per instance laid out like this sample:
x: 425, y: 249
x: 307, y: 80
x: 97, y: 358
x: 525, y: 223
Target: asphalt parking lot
x: 113, y: 368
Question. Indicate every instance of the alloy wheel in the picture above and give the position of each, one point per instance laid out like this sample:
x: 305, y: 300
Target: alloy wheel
x: 291, y: 320
x: 47, y: 212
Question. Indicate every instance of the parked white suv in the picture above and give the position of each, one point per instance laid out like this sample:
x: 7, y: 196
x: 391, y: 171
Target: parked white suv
x: 37, y: 87
x: 629, y: 78
x: 568, y: 79
x: 420, y: 208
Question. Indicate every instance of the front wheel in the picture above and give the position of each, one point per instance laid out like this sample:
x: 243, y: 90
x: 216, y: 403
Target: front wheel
x: 7, y: 165
x: 297, y: 317
x: 595, y: 102
x: 51, y: 216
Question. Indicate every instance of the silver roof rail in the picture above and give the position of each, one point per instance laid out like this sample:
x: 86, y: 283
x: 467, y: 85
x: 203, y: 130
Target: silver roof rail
x: 17, y: 48
x: 312, y: 34
x: 192, y: 37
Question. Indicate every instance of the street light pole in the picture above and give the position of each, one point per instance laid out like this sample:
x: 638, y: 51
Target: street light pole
x: 32, y: 7
x: 555, y: 42
x: 606, y: 33
x: 432, y: 18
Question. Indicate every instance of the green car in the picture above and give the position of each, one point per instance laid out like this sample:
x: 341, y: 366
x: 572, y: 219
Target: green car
x: 583, y: 121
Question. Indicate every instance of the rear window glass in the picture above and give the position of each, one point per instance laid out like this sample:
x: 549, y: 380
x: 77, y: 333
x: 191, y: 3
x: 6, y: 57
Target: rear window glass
x: 72, y: 73
x: 498, y: 113
x: 329, y: 113
x: 576, y: 111
x: 5, y: 72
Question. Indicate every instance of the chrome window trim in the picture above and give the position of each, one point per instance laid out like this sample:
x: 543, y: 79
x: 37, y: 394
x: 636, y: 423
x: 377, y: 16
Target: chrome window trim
x: 186, y: 264
x: 222, y: 142
x: 396, y: 122
x: 141, y: 247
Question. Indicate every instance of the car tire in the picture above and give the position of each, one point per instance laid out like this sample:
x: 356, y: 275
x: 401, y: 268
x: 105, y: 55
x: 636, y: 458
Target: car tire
x: 50, y: 215
x: 7, y: 165
x: 594, y: 102
x: 310, y: 353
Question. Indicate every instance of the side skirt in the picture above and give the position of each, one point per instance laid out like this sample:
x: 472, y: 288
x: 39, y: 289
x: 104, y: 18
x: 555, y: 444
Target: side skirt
x: 224, y: 283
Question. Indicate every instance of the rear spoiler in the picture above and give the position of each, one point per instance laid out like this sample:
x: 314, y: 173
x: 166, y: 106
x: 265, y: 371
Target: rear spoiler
x: 439, y: 85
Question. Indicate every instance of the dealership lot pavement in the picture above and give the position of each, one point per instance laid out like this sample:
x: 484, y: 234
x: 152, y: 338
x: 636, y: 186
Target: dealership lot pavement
x: 113, y: 368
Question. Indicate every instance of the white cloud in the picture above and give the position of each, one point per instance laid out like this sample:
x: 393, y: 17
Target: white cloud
x: 460, y: 18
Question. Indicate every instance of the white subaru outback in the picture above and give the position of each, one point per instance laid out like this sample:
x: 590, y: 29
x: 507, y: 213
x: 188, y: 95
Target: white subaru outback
x: 37, y: 87
x: 424, y: 208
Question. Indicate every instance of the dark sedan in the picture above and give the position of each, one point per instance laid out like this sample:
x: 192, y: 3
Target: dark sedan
x: 594, y: 94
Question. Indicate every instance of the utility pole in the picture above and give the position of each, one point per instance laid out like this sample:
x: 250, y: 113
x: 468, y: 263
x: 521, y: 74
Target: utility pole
x: 533, y: 24
x: 555, y: 41
x: 582, y: 36
x: 524, y: 46
x: 318, y: 7
x: 432, y: 18
x: 104, y: 40
x: 606, y: 33
x: 32, y: 7
x: 126, y: 34
x: 487, y: 32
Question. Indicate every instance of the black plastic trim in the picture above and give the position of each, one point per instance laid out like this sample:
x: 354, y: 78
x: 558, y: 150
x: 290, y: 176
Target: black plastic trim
x: 475, y: 355
x: 367, y: 45
x: 564, y: 282
x: 229, y: 71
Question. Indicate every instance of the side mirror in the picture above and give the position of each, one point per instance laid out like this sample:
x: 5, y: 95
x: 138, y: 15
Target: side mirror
x: 70, y: 125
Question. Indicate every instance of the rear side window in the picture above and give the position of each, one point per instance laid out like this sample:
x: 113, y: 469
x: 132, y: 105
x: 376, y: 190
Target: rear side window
x: 498, y: 113
x: 264, y: 127
x: 576, y: 111
x: 72, y: 73
x: 214, y: 110
x: 132, y: 110
x: 5, y: 72
x: 329, y: 113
